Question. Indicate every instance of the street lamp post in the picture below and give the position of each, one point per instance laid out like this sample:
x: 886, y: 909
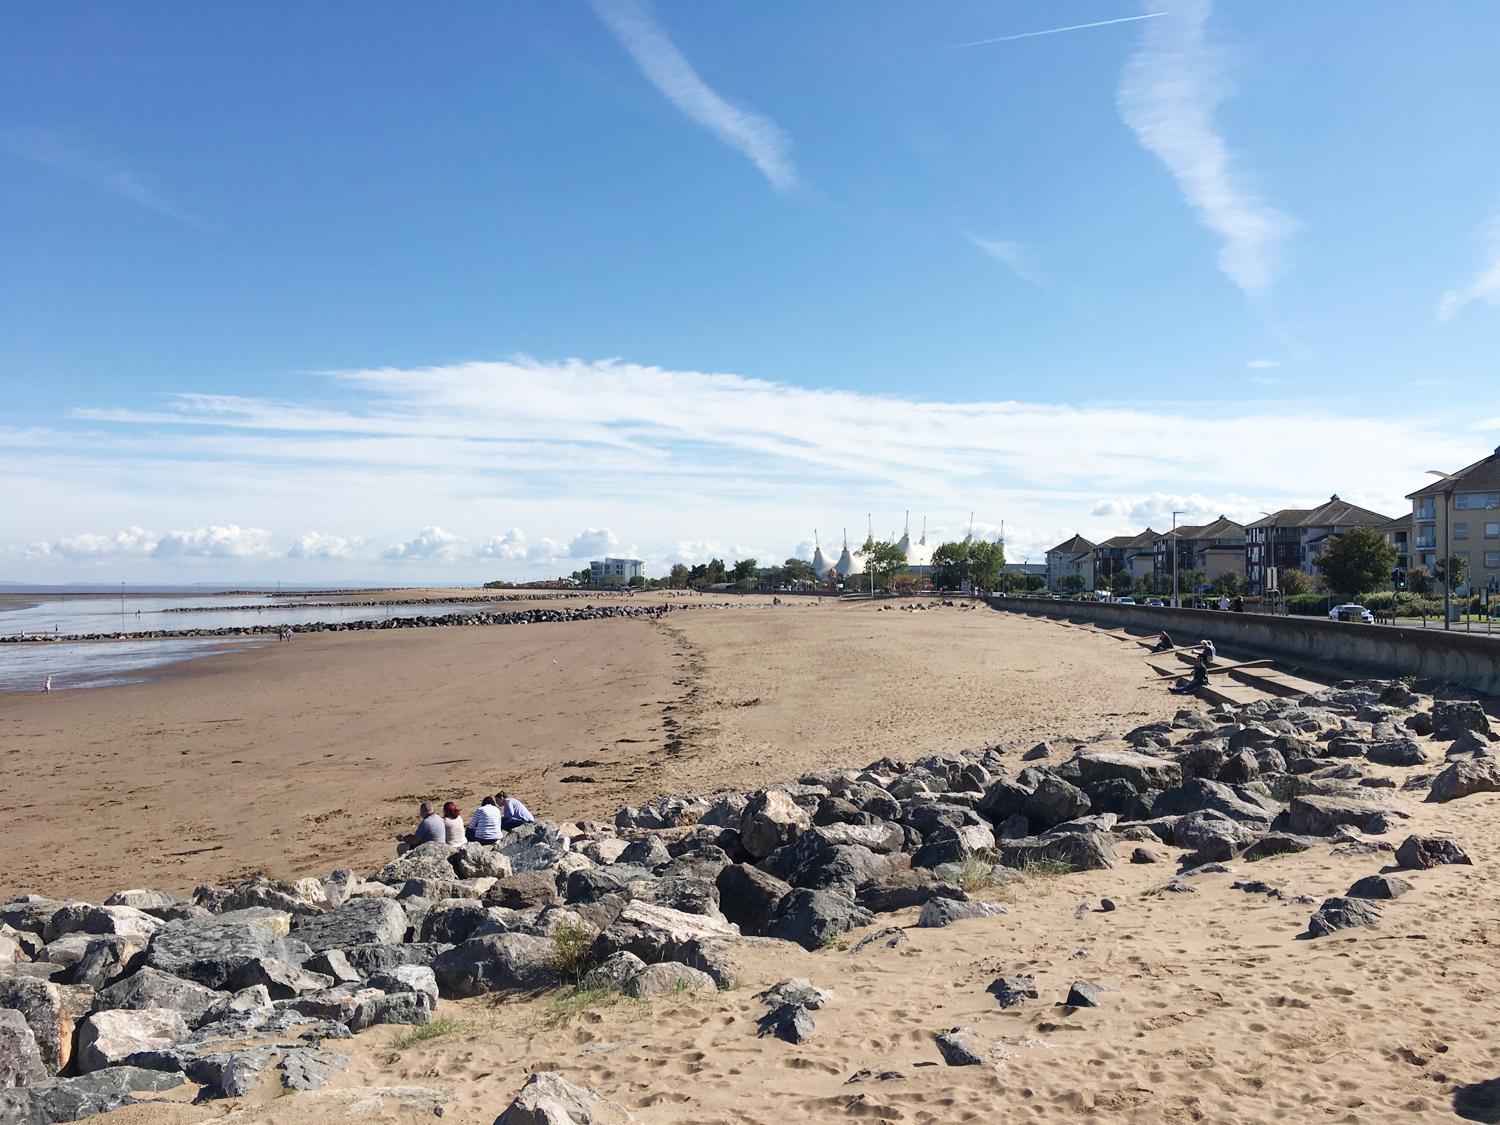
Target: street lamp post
x: 1176, y: 602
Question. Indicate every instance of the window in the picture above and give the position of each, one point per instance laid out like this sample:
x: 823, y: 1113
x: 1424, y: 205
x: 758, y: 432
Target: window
x: 1460, y: 530
x: 1425, y: 510
x: 1476, y: 501
x: 1492, y: 560
x: 1492, y: 531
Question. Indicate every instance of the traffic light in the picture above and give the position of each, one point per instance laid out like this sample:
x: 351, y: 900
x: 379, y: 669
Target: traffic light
x: 1398, y: 578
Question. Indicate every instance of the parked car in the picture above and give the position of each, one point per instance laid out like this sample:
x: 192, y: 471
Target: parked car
x: 1125, y: 601
x: 1155, y: 601
x: 1349, y: 611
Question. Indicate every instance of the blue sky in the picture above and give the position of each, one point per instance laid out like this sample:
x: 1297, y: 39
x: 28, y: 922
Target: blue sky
x: 338, y: 291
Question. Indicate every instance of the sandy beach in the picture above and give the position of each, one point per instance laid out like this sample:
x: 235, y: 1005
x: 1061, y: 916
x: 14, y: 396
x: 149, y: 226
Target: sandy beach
x: 293, y: 757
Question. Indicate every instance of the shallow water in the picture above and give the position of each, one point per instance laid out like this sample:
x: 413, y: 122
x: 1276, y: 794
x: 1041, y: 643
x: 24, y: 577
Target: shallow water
x: 104, y: 663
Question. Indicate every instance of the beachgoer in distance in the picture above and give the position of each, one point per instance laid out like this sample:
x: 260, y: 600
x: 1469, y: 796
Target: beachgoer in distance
x: 513, y: 814
x: 1239, y: 605
x: 47, y: 684
x: 1164, y: 642
x: 484, y: 825
x: 1208, y: 652
x: 429, y: 830
x: 1224, y: 603
x: 453, y: 824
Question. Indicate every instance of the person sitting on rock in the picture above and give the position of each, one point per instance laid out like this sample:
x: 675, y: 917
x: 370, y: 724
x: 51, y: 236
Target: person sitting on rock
x: 513, y: 814
x: 484, y: 825
x: 1193, y: 682
x: 453, y: 824
x: 429, y: 830
x: 1208, y: 652
x: 1164, y: 643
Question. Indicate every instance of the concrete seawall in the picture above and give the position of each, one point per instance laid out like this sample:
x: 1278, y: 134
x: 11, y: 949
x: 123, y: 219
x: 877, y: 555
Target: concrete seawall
x: 1436, y: 654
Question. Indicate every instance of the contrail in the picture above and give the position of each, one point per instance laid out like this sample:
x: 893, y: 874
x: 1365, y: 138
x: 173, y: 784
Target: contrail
x: 1054, y: 31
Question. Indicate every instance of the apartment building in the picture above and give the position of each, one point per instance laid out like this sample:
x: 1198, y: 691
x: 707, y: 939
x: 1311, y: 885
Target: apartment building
x: 615, y: 572
x: 1293, y: 537
x: 1121, y: 554
x: 1460, y: 515
x: 1066, y: 561
x: 1398, y: 534
x: 1214, y: 548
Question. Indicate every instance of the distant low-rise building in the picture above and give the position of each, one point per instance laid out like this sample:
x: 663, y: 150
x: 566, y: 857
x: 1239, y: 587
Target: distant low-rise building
x: 1066, y: 561
x: 1215, y: 548
x: 1293, y: 537
x: 1460, y: 515
x: 1121, y: 554
x: 615, y: 572
x: 1398, y: 534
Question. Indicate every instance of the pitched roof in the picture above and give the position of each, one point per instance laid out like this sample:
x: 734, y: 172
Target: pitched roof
x: 1335, y: 513
x: 1114, y: 541
x: 1400, y: 523
x: 1482, y: 476
x: 1145, y: 539
x: 1074, y: 545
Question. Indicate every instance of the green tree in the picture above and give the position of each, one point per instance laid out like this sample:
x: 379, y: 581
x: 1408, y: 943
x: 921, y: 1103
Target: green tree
x: 882, y: 561
x: 1356, y: 561
x: 1121, y: 583
x: 1456, y: 565
x: 636, y: 580
x: 1035, y: 582
x: 581, y: 576
x: 1419, y: 580
x: 1229, y: 583
x: 678, y: 578
x: 744, y: 569
x: 986, y: 563
x: 950, y: 565
x: 1292, y: 581
x: 800, y: 570
x: 1070, y: 584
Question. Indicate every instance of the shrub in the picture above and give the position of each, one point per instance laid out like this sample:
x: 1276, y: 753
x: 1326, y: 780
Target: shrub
x: 443, y: 1025
x: 572, y: 950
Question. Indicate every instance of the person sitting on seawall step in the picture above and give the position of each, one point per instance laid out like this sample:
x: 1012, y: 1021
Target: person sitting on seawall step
x: 1164, y: 642
x: 453, y: 824
x: 429, y: 830
x: 484, y: 825
x: 1193, y: 682
x: 1208, y: 653
x: 513, y: 814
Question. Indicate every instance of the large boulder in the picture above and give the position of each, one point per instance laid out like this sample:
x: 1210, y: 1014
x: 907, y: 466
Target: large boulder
x: 125, y: 921
x: 748, y: 896
x: 1200, y: 793
x: 360, y: 921
x: 842, y: 867
x: 108, y: 1038
x: 45, y: 1009
x: 550, y: 1099
x: 429, y: 861
x: 76, y: 1098
x: 1078, y: 851
x: 1054, y: 801
x: 1451, y: 717
x: 1324, y: 816
x: 1418, y: 853
x: 496, y: 963
x: 282, y: 980
x: 938, y: 912
x: 1143, y: 771
x: 1466, y: 777
x: 20, y: 1061
x: 668, y: 976
x: 106, y: 959
x: 152, y: 988
x: 478, y: 861
x: 1396, y: 752
x: 658, y: 933
x: 534, y: 847
x: 812, y: 918
x: 1340, y: 913
x: 1211, y: 836
x: 771, y: 819
x: 902, y: 889
x: 527, y: 890
x: 210, y: 954
x: 370, y: 959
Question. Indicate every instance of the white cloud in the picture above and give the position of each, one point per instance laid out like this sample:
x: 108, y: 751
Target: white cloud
x: 316, y: 545
x: 1168, y: 94
x: 1263, y: 364
x: 430, y: 543
x: 59, y: 154
x: 1011, y: 255
x: 511, y: 545
x: 1157, y: 508
x: 757, y: 137
x: 592, y: 542
x: 132, y: 541
x: 227, y: 542
x: 1484, y: 285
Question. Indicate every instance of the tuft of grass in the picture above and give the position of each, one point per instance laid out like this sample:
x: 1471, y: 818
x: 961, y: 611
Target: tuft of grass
x: 572, y: 951
x: 590, y: 992
x: 976, y: 873
x: 1045, y: 871
x: 443, y: 1025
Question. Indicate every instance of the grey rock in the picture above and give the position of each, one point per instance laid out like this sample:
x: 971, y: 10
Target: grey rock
x: 281, y: 979
x: 1211, y: 836
x: 46, y: 1011
x: 1011, y: 990
x: 1378, y: 886
x: 905, y: 888
x: 211, y: 954
x: 106, y: 959
x: 309, y: 1069
x: 548, y: 1098
x: 20, y: 1061
x: 369, y: 959
x: 648, y: 852
x: 1323, y: 816
x: 1339, y: 913
x: 1466, y: 777
x: 1421, y: 852
x: 360, y: 921
x: 812, y: 918
x: 961, y: 1046
x: 1199, y: 793
x: 429, y: 861
x: 1080, y: 851
x: 109, y: 1037
x: 1084, y: 994
x: 229, y: 1074
x: 787, y: 1021
x: 771, y: 820
x: 152, y: 988
x: 1451, y: 717
x: 406, y: 978
x: 454, y: 920
x: 497, y: 963
x: 1396, y: 752
x: 334, y: 963
x: 401, y: 1007
x: 1054, y: 801
x: 475, y: 861
x: 940, y: 912
x: 1280, y: 843
x: 76, y: 1098
x: 617, y: 969
x: 1142, y: 771
x: 526, y: 890
x: 1241, y: 766
x: 682, y: 892
x: 1144, y: 855
x: 669, y: 977
x: 658, y: 933
x: 799, y: 991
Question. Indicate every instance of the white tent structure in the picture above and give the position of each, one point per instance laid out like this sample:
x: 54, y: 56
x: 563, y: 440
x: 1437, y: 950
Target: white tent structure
x: 846, y: 564
x: 819, y: 560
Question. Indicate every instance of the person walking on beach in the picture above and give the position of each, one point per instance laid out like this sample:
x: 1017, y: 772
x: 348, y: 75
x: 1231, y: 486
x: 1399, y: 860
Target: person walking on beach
x: 484, y: 826
x: 513, y: 814
x: 47, y: 684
